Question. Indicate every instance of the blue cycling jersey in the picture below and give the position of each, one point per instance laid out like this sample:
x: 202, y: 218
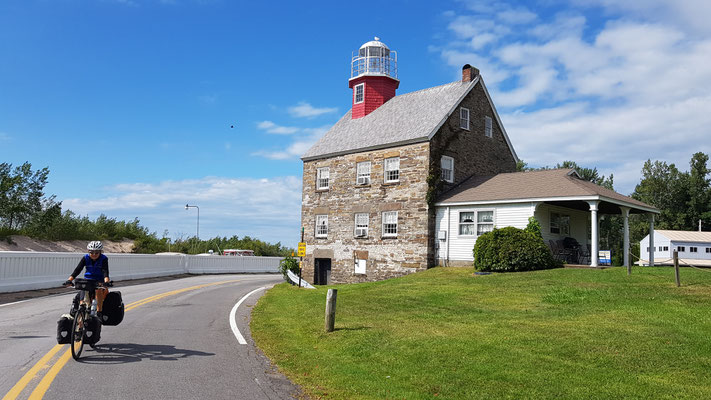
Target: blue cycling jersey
x: 93, y: 268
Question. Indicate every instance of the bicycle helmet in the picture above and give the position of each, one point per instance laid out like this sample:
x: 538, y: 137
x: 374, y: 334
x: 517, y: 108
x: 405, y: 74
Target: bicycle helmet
x: 95, y: 246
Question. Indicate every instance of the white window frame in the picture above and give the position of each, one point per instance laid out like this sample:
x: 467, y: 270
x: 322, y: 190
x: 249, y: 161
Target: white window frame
x: 321, y: 220
x: 557, y: 223
x: 320, y: 179
x: 358, y: 220
x: 388, y: 215
x: 389, y: 171
x: 708, y: 249
x: 693, y: 249
x: 464, y: 118
x: 360, y: 86
x: 447, y: 177
x: 488, y: 127
x: 475, y: 223
x: 681, y: 249
x: 363, y: 169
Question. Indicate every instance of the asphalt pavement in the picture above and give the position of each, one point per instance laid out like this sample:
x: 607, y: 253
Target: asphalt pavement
x: 175, y: 342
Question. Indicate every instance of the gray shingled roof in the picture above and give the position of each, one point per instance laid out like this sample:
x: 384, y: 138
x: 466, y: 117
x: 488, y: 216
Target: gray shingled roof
x: 407, y: 118
x: 545, y: 184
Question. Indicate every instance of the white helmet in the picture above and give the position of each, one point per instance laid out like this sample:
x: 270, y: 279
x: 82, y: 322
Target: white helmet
x: 95, y: 246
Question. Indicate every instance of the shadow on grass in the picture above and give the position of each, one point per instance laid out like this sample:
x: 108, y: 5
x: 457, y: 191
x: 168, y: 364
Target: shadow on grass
x: 121, y: 353
x: 355, y: 328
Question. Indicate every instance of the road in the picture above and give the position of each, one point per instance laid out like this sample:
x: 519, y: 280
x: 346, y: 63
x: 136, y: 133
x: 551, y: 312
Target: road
x: 175, y: 342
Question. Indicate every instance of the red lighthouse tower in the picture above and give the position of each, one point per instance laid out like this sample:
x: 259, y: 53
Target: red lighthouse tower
x: 373, y: 77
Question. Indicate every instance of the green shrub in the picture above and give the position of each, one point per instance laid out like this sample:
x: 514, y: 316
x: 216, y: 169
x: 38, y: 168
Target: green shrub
x: 534, y: 227
x: 289, y: 263
x: 510, y: 250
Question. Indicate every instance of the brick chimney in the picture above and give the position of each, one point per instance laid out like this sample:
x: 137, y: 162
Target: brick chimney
x: 469, y: 73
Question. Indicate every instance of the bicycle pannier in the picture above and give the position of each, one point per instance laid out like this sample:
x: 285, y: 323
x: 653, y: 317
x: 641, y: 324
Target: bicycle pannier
x: 64, y: 327
x: 112, y: 310
x: 93, y: 331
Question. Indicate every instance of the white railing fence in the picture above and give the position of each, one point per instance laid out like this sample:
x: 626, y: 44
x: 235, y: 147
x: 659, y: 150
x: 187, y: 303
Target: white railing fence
x: 20, y: 270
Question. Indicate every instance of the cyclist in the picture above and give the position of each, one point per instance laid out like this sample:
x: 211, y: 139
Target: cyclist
x: 97, y: 269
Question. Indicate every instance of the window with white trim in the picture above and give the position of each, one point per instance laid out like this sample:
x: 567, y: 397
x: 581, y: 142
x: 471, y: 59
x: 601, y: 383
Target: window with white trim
x: 467, y: 226
x: 392, y: 169
x: 560, y: 224
x: 389, y: 223
x: 361, y: 225
x: 321, y: 225
x: 681, y: 249
x: 464, y: 118
x: 488, y: 130
x: 708, y: 249
x: 322, y: 176
x: 666, y: 248
x: 359, y: 93
x: 447, y: 166
x: 693, y: 249
x: 484, y: 222
x: 475, y: 223
x: 363, y: 173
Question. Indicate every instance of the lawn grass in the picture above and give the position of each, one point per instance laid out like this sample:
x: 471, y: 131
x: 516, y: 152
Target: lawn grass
x: 446, y: 334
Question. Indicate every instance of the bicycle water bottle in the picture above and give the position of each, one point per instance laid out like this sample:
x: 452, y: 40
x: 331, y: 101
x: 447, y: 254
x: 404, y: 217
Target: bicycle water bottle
x: 93, y: 308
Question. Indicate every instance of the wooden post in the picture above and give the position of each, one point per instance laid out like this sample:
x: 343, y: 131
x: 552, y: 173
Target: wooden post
x: 331, y: 309
x: 676, y: 268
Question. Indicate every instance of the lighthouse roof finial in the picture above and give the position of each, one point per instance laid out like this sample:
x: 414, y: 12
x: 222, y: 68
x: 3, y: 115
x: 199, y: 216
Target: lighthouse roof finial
x: 375, y: 43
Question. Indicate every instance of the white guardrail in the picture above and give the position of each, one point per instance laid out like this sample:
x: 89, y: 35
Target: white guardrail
x: 22, y: 270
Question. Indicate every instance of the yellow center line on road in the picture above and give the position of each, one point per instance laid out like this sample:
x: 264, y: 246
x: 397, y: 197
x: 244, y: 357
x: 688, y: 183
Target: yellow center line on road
x: 43, y: 385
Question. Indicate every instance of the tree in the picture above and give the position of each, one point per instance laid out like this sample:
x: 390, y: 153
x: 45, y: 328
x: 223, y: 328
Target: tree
x: 22, y: 194
x: 698, y: 185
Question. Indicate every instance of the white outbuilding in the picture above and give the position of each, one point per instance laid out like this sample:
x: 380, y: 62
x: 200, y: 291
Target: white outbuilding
x: 693, y: 247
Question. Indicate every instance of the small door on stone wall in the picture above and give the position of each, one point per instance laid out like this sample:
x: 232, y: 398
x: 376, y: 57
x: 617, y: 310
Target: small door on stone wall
x: 322, y: 271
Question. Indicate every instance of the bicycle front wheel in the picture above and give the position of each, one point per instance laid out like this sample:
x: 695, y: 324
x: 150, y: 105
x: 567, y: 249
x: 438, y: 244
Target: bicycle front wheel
x: 78, y: 328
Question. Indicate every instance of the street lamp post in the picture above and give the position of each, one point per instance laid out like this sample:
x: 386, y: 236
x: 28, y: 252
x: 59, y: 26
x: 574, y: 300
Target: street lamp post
x: 198, y: 218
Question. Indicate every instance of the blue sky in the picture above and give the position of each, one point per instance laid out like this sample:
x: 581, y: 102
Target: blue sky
x: 141, y: 106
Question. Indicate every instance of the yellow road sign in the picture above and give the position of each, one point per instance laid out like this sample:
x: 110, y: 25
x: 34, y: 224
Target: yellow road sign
x: 301, y: 249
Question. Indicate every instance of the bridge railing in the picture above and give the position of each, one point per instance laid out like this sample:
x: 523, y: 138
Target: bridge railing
x: 21, y: 270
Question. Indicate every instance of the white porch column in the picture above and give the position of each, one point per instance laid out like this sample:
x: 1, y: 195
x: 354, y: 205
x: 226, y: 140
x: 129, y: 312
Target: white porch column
x: 593, y: 233
x: 651, y: 240
x: 626, y: 234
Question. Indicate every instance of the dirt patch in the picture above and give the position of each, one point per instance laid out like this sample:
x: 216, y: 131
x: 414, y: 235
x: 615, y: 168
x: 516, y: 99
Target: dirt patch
x: 24, y: 243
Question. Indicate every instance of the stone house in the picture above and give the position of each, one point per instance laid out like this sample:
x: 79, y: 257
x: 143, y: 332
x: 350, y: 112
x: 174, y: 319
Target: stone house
x: 371, y: 182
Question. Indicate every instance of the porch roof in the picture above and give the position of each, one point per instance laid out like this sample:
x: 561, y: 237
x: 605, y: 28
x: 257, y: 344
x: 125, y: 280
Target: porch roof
x: 551, y: 186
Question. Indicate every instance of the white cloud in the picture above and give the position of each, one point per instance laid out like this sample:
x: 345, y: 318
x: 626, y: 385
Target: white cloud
x: 297, y: 148
x: 268, y: 209
x: 608, y: 94
x: 271, y: 127
x: 306, y: 110
x: 4, y: 137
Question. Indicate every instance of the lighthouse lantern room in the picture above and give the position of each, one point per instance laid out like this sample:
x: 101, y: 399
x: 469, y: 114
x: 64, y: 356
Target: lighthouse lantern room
x: 373, y: 77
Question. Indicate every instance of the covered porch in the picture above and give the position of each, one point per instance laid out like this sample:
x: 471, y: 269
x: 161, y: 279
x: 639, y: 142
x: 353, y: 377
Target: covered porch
x: 571, y: 226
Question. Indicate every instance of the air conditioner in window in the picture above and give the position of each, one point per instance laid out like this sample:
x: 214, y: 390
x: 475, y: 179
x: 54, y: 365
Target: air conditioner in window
x: 361, y: 232
x: 363, y: 180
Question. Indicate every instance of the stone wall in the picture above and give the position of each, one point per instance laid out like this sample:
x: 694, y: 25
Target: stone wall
x: 386, y: 257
